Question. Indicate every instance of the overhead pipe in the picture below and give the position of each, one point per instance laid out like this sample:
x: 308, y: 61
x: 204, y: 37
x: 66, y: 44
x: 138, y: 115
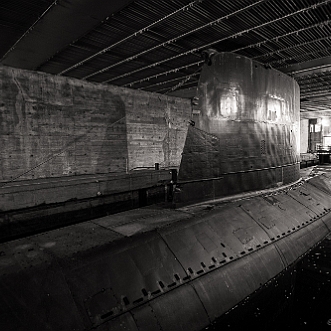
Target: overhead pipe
x: 278, y: 51
x: 193, y: 50
x: 184, y: 81
x: 54, y: 3
x: 168, y: 81
x: 320, y: 87
x: 187, y: 84
x: 104, y: 50
x: 249, y: 46
x: 280, y: 62
x: 170, y: 41
x: 309, y: 87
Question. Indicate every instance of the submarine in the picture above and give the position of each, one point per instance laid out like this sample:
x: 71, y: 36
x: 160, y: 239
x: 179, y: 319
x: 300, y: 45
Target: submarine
x: 240, y: 217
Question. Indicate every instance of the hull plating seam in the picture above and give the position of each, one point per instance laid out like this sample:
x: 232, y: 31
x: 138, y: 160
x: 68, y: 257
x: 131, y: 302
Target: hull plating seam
x: 236, y: 172
x: 194, y: 274
x: 104, y: 273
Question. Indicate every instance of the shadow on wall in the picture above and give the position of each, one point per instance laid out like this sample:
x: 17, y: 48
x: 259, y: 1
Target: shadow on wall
x: 167, y: 138
x: 110, y: 145
x: 55, y: 129
x: 100, y: 149
x: 170, y: 141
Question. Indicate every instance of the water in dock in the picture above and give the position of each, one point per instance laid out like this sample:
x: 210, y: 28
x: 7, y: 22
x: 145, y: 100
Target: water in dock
x: 299, y: 299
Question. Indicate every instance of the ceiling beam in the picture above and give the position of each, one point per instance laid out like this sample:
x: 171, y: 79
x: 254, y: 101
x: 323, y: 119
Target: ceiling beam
x: 198, y: 63
x: 54, y: 3
x: 54, y: 31
x: 170, y: 81
x: 321, y: 88
x: 314, y: 6
x: 325, y: 69
x: 310, y: 67
x: 146, y: 28
x: 168, y: 91
x: 172, y: 40
x: 298, y: 56
x: 317, y: 94
x: 278, y: 51
x: 189, y: 92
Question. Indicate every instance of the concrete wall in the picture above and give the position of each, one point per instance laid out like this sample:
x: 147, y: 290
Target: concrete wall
x: 53, y: 126
x: 304, y: 135
x: 157, y: 127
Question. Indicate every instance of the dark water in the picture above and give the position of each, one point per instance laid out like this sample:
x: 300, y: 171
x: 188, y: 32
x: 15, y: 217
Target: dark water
x: 299, y: 299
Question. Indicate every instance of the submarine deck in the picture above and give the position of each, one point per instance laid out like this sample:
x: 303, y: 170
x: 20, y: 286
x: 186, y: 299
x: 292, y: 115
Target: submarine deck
x: 161, y: 269
x: 149, y: 218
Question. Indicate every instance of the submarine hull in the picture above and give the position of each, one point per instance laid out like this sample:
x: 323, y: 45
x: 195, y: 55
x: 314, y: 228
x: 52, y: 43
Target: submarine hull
x: 156, y: 269
x: 181, y: 269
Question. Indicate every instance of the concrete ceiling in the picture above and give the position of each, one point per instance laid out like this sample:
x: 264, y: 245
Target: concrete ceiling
x: 156, y: 45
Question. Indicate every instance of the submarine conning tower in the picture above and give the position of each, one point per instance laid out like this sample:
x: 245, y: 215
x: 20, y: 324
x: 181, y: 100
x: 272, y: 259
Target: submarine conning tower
x: 245, y: 132
x: 166, y: 269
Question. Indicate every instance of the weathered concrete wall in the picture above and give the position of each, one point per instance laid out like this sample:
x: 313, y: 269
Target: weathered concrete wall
x: 157, y: 127
x: 54, y: 126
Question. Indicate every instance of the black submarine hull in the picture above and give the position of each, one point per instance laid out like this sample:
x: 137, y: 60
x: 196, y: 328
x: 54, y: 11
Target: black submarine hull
x: 157, y: 269
x: 180, y: 269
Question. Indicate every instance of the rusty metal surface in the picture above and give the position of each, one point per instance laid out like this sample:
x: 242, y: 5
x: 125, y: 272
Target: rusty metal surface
x: 180, y: 275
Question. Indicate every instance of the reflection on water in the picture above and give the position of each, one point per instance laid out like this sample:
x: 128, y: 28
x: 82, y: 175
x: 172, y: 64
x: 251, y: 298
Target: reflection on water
x: 298, y: 299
